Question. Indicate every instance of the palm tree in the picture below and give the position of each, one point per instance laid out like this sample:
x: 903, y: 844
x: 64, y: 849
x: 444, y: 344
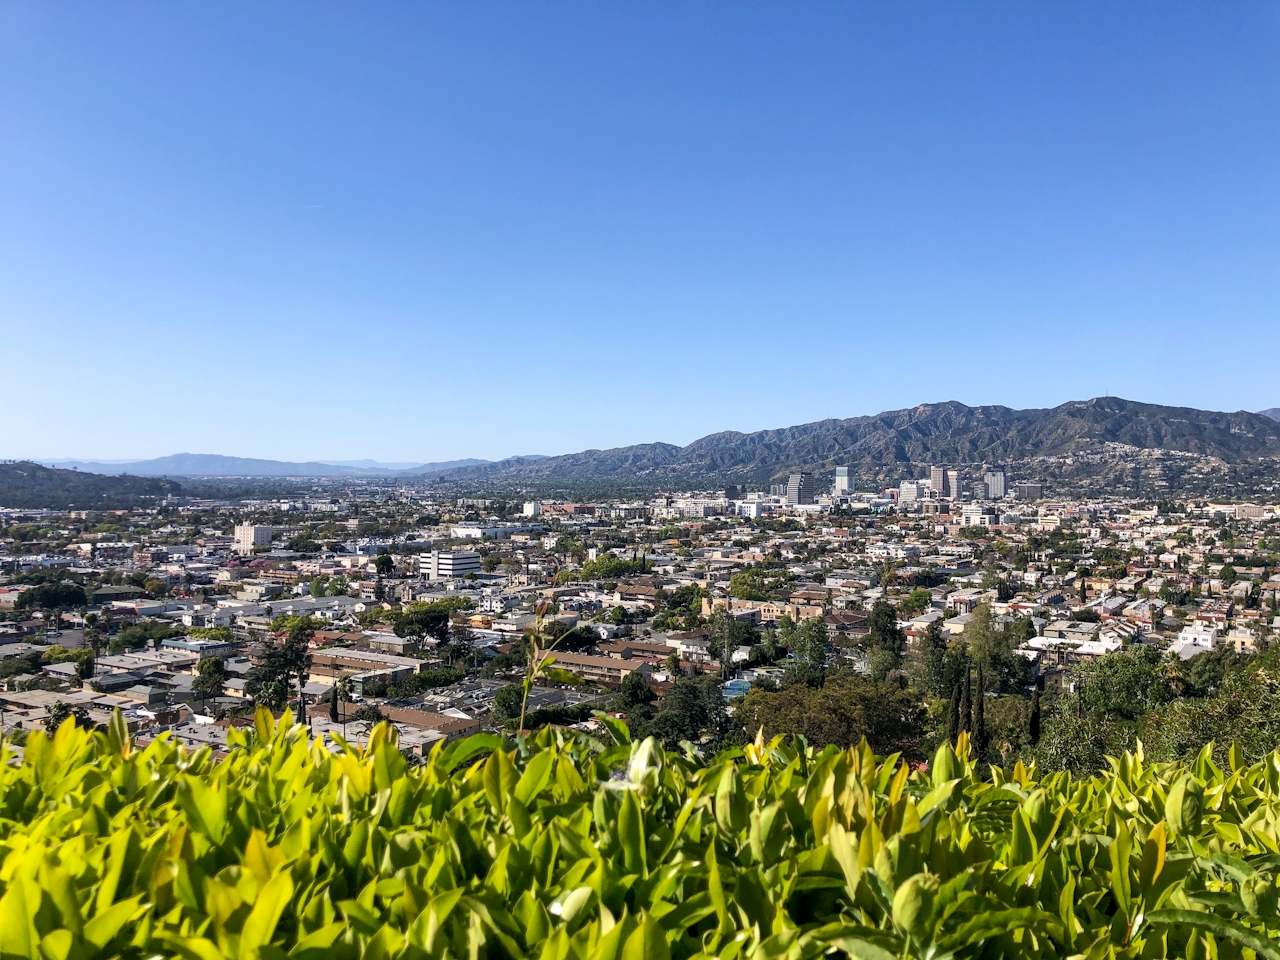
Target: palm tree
x: 96, y: 641
x: 341, y: 694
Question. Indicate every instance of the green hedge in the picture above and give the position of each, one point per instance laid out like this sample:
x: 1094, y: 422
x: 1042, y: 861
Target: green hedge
x: 567, y: 848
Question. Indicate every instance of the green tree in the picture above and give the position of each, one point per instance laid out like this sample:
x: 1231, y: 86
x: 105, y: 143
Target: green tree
x: 60, y: 711
x: 84, y: 664
x: 460, y: 647
x: 421, y: 623
x: 673, y: 664
x: 51, y: 596
x: 507, y: 703
x: 692, y: 709
x: 284, y: 663
x: 1033, y: 724
x: 1123, y: 685
x: 953, y: 713
x: 843, y: 710
x: 369, y: 713
x: 211, y: 678
x: 994, y: 650
x: 727, y: 634
x: 742, y: 586
x: 610, y: 567
x: 340, y: 694
x: 917, y: 601
x: 810, y: 643
x: 931, y: 656
x: 884, y: 640
x: 635, y: 699
x: 981, y: 742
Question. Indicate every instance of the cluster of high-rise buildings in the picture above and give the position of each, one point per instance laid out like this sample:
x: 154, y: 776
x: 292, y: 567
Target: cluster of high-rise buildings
x: 943, y: 483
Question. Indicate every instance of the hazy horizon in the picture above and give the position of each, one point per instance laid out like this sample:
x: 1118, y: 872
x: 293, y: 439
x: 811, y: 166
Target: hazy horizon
x: 355, y: 461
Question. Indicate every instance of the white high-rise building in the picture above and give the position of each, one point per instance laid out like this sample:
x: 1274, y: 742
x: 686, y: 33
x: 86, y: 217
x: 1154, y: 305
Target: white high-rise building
x: 995, y: 484
x: 249, y: 537
x: 844, y: 481
x: 448, y: 565
x: 533, y: 509
x: 910, y: 491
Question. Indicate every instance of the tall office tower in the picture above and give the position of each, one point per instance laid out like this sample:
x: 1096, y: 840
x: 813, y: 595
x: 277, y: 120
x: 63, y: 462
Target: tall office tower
x: 938, y: 482
x: 979, y: 489
x: 995, y: 483
x: 844, y: 482
x: 801, y: 488
x: 954, y: 484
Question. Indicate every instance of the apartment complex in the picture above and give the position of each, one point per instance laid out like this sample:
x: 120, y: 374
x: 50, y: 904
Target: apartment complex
x: 250, y: 537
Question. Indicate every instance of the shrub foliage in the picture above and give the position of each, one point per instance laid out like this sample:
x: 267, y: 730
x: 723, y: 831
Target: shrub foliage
x: 565, y: 848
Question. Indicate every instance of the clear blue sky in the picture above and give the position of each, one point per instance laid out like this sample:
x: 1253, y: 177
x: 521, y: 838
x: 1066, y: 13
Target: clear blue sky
x: 421, y: 231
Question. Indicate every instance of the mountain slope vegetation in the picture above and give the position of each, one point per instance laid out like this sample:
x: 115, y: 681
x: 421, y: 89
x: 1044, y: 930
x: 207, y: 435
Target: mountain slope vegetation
x: 27, y: 485
x: 948, y: 432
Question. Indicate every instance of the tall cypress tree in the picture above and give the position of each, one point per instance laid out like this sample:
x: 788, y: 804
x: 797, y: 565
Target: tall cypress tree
x: 980, y: 741
x: 953, y: 713
x: 1033, y: 727
x: 966, y: 708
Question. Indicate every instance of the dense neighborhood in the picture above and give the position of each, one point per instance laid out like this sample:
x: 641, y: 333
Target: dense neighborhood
x: 701, y: 615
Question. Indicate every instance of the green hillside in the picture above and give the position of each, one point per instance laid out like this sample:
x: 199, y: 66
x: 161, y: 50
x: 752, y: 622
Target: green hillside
x: 27, y: 485
x: 932, y: 433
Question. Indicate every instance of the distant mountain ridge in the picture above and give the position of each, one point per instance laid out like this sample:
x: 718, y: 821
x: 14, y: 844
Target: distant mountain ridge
x: 379, y: 465
x: 944, y: 433
x: 216, y: 465
x: 934, y: 433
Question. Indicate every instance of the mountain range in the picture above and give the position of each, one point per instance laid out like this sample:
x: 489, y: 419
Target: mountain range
x: 936, y: 433
x: 216, y: 465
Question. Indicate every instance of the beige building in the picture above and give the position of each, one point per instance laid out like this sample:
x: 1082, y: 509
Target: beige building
x: 249, y: 537
x: 607, y: 670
